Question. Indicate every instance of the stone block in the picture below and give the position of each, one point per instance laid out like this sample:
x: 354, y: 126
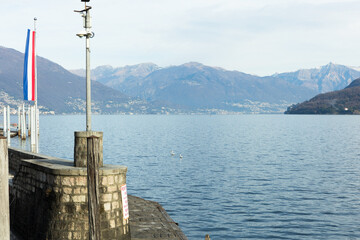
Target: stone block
x: 112, y: 223
x: 106, y: 197
x: 84, y: 190
x: 78, y: 208
x: 107, y: 206
x: 112, y: 188
x: 77, y: 235
x: 57, y: 180
x: 72, y: 226
x: 115, y: 205
x: 67, y: 190
x: 81, y: 181
x: 116, y: 196
x: 68, y: 181
x: 110, y: 180
x: 77, y: 190
x: 86, y: 227
x: 104, y: 180
x: 78, y: 198
x: 122, y: 179
x: 65, y: 198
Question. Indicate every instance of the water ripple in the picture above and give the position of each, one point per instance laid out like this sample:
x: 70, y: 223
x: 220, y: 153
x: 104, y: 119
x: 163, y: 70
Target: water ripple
x: 241, y: 177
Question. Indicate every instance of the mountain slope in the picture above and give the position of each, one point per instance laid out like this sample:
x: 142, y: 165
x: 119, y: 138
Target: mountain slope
x: 59, y: 90
x: 327, y: 78
x: 346, y: 101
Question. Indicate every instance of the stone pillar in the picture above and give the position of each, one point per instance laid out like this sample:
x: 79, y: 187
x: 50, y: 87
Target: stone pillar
x: 80, y: 147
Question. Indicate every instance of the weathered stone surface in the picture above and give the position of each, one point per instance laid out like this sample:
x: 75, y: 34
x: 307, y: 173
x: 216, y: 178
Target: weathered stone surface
x: 80, y: 147
x: 68, y: 181
x: 148, y: 220
x: 106, y: 197
x: 110, y: 180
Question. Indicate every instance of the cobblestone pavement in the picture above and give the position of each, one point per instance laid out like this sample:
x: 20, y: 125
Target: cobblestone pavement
x: 148, y: 220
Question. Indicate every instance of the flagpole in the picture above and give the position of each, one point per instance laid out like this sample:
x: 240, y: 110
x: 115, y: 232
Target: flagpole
x: 36, y: 93
x: 35, y: 19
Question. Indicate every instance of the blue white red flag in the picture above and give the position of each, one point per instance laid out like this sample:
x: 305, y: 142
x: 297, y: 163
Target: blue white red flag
x: 29, y: 67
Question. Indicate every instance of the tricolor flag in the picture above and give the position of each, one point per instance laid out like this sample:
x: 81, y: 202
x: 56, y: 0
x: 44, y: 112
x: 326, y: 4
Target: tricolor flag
x: 29, y: 67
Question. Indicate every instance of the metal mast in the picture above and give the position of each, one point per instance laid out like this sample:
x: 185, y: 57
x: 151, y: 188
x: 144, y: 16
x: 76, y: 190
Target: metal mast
x: 88, y: 34
x: 36, y: 116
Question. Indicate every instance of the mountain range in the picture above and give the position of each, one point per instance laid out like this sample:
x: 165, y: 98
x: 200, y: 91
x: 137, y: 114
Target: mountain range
x: 192, y: 84
x: 148, y: 88
x: 323, y: 79
x: 196, y: 86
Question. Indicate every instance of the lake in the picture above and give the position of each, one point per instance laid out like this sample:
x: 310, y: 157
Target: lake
x: 241, y: 176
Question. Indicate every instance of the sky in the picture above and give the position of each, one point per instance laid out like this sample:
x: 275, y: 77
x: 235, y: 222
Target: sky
x: 258, y: 37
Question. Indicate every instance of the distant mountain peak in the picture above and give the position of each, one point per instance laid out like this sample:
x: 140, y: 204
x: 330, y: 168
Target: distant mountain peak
x: 326, y: 78
x: 193, y: 64
x: 146, y: 64
x: 332, y: 65
x: 141, y: 69
x: 198, y: 65
x: 104, y: 67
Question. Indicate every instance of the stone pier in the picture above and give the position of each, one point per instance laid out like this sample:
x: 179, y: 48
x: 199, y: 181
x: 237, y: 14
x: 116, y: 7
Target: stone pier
x: 49, y: 199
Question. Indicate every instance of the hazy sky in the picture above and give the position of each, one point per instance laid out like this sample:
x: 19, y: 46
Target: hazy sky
x: 253, y: 36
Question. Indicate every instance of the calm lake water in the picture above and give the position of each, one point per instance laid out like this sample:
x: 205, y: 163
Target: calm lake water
x: 241, y: 177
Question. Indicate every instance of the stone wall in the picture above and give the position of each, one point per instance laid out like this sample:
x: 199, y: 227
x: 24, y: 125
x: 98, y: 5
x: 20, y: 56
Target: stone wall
x: 16, y: 156
x: 49, y: 198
